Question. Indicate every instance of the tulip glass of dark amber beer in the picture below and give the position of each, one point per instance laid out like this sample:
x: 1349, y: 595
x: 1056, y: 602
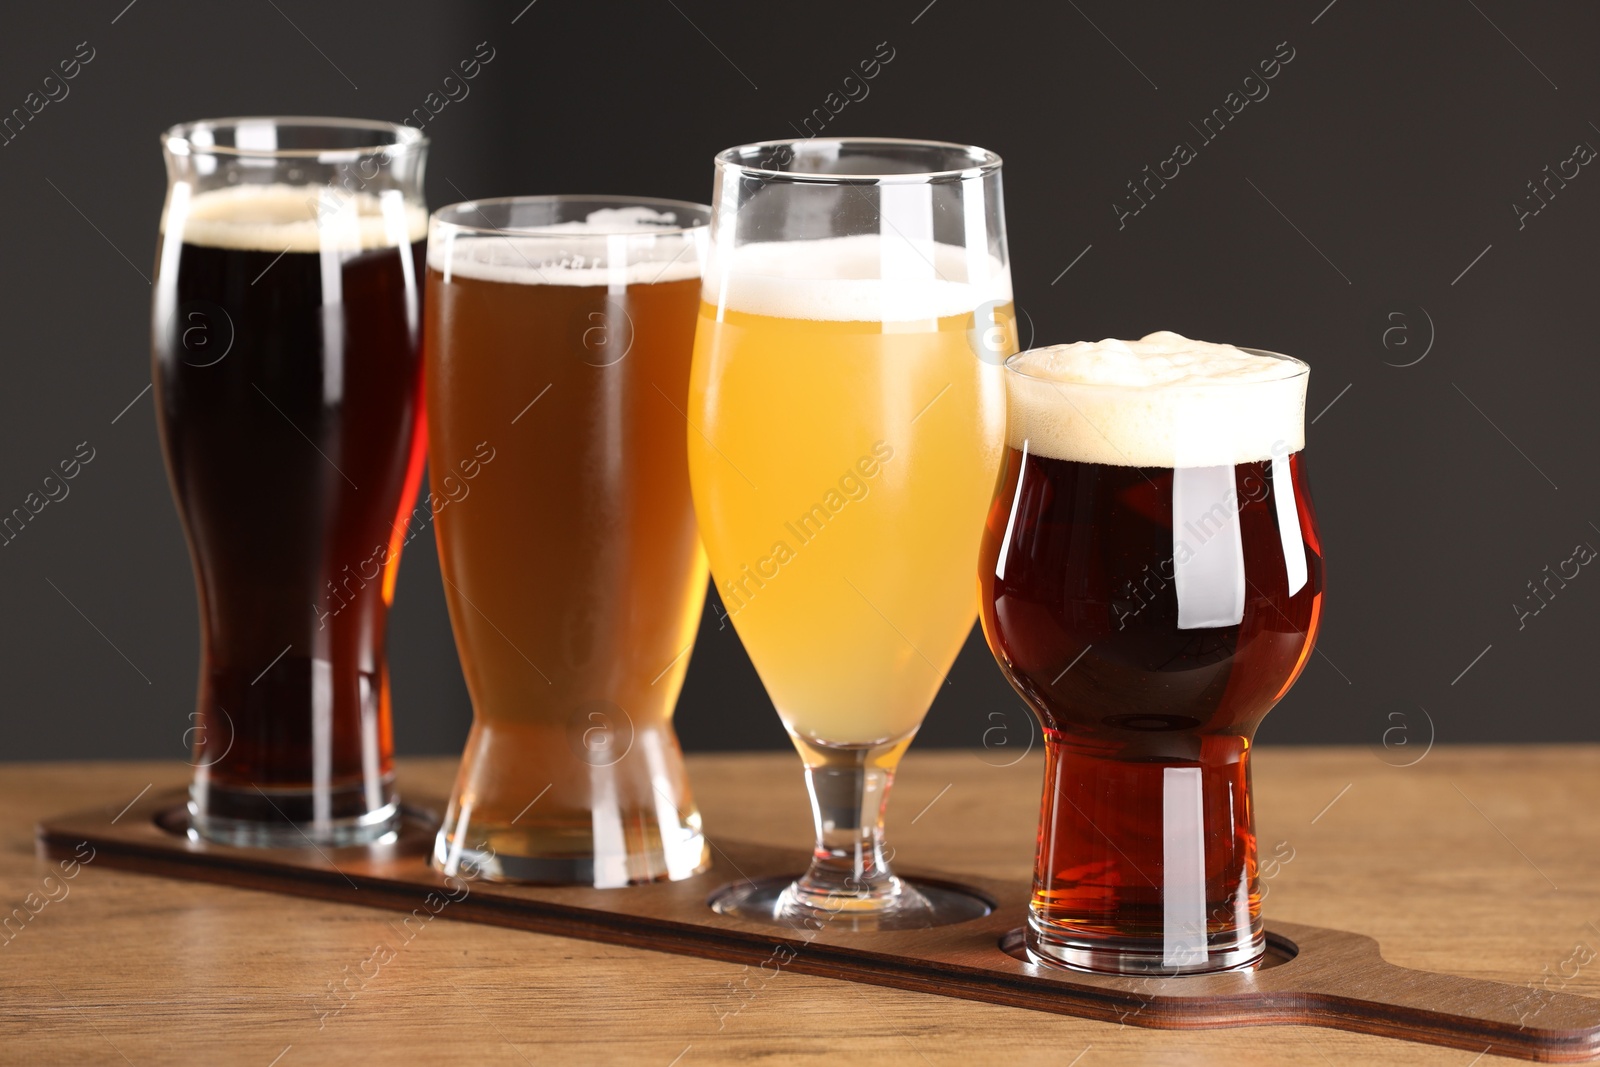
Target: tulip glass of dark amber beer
x: 287, y: 370
x: 1151, y: 583
x: 559, y: 332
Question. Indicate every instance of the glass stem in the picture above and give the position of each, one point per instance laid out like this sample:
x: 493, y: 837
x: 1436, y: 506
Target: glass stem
x: 849, y: 790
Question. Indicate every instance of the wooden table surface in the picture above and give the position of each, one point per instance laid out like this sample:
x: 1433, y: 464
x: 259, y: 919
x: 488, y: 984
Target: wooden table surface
x: 1480, y: 861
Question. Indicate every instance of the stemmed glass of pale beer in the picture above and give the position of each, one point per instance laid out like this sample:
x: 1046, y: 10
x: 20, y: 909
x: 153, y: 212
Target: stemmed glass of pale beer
x: 1151, y: 583
x: 557, y: 342
x: 846, y: 420
x: 288, y: 379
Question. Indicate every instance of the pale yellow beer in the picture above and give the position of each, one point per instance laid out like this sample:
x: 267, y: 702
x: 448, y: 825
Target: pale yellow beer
x: 841, y: 467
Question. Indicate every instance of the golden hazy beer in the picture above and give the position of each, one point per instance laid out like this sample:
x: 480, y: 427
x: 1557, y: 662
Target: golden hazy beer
x: 842, y: 469
x: 567, y: 542
x: 847, y: 423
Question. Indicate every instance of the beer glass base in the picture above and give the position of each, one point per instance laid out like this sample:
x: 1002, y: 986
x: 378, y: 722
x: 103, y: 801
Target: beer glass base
x: 1140, y: 956
x: 911, y: 907
x: 371, y: 827
x: 499, y: 859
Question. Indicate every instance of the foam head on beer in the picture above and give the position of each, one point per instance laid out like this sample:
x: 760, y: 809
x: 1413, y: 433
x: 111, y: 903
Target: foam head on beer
x: 611, y: 247
x: 859, y: 278
x: 296, y: 218
x: 1161, y: 401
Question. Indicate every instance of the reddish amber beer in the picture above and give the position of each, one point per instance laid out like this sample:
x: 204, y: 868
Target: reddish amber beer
x: 1151, y: 615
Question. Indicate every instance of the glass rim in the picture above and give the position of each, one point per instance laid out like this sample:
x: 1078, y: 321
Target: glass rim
x: 1302, y: 369
x: 178, y: 139
x: 702, y: 213
x: 985, y: 162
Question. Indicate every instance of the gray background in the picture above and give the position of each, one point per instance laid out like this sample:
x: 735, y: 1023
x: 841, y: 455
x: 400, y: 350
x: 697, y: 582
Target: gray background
x: 1376, y: 180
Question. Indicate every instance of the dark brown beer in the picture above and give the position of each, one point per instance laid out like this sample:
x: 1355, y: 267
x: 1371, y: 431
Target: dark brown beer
x: 288, y: 385
x: 1147, y: 850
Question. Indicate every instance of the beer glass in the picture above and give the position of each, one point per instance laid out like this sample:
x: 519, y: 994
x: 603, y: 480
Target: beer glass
x: 287, y: 375
x: 846, y: 420
x: 1151, y: 583
x: 557, y: 343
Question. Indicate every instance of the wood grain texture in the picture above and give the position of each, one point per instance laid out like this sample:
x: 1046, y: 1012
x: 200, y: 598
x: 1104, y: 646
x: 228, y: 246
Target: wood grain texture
x: 1452, y: 864
x: 1312, y: 976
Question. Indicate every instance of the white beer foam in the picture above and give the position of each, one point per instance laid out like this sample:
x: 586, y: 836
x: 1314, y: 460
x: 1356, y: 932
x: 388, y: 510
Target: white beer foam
x: 860, y: 278
x: 296, y: 218
x: 1161, y: 401
x: 611, y: 246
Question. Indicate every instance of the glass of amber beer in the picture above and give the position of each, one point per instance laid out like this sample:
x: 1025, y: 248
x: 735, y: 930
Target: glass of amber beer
x: 1151, y: 583
x: 846, y: 426
x: 557, y: 343
x: 288, y: 376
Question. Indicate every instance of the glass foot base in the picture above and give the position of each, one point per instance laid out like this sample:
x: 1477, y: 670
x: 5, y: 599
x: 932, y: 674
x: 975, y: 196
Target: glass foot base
x: 516, y: 856
x: 918, y: 906
x: 373, y: 827
x: 1143, y: 956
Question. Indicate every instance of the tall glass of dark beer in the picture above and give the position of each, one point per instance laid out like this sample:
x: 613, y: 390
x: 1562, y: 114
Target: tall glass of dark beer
x: 1151, y: 583
x: 557, y: 349
x: 287, y: 368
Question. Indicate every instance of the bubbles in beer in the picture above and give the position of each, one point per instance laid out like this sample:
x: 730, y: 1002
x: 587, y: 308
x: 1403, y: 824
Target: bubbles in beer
x: 1161, y: 401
